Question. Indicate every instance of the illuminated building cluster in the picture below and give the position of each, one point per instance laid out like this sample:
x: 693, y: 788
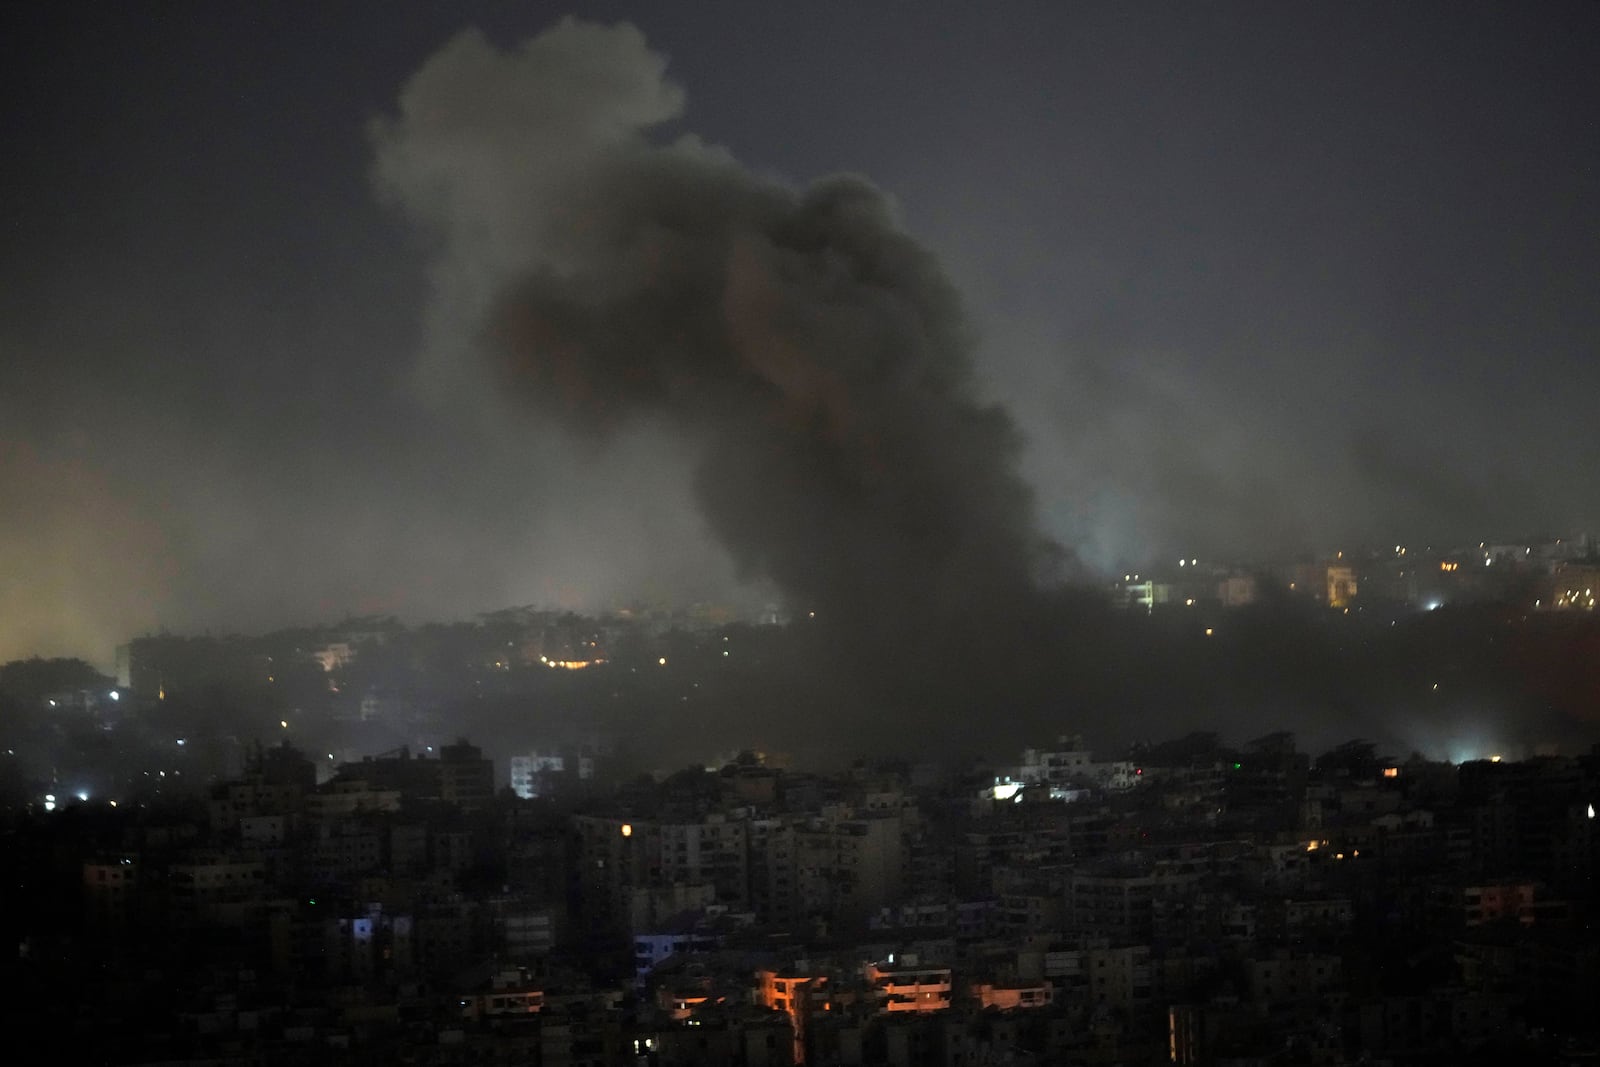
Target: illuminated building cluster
x: 1548, y: 575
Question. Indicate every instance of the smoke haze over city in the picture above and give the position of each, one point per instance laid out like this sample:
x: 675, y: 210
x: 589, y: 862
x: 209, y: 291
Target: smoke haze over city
x: 341, y: 312
x: 775, y: 534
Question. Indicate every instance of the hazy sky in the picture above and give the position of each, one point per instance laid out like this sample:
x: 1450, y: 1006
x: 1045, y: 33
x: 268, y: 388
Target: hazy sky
x: 1251, y: 279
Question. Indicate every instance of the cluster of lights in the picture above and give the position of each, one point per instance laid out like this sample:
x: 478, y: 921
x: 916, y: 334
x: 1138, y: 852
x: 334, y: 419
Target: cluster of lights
x: 571, y: 664
x: 50, y: 803
x: 1573, y: 598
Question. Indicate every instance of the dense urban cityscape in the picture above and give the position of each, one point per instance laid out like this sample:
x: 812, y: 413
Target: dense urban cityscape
x: 760, y: 535
x: 372, y: 843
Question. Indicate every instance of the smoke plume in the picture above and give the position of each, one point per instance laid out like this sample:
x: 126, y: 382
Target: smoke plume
x: 813, y: 355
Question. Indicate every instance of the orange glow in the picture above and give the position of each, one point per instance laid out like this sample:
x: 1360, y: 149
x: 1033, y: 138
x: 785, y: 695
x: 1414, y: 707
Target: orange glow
x: 1391, y: 772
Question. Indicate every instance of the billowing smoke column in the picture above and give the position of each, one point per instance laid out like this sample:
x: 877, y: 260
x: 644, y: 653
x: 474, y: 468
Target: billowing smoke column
x: 814, y: 355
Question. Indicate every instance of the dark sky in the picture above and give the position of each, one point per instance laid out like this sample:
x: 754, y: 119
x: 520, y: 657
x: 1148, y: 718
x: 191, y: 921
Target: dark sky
x: 1252, y: 280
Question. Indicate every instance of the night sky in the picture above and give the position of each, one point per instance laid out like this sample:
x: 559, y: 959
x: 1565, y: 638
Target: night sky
x: 1252, y: 280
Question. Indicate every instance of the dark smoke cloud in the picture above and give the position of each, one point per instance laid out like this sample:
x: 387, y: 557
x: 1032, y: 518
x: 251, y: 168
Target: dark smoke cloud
x: 811, y: 352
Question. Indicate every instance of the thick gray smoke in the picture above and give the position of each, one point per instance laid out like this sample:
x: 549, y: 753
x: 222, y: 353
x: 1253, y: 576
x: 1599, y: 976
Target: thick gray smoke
x: 812, y: 353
